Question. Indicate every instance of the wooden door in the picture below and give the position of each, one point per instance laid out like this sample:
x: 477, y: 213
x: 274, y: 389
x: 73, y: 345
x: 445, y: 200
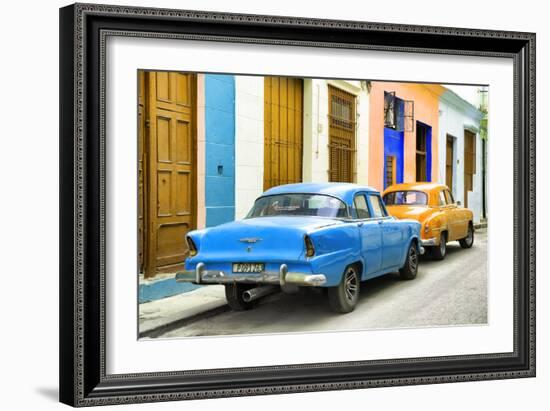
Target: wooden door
x: 341, y: 135
x: 283, y: 131
x: 171, y: 177
x: 390, y: 171
x: 449, y: 163
x: 142, y: 230
x: 469, y: 163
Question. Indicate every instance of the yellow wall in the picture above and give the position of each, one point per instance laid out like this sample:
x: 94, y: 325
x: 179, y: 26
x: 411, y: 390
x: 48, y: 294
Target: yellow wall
x: 426, y: 110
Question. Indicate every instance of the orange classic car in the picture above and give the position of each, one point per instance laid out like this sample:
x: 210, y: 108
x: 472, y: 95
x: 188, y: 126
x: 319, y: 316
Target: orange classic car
x: 432, y: 205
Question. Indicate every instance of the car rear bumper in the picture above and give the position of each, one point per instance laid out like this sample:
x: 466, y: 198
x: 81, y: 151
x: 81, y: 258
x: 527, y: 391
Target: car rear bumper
x: 429, y: 242
x: 202, y: 276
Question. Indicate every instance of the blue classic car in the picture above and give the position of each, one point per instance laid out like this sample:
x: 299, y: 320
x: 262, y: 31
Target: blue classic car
x: 330, y: 235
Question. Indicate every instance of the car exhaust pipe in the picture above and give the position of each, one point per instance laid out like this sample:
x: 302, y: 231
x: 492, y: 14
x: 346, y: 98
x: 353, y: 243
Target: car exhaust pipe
x: 258, y: 292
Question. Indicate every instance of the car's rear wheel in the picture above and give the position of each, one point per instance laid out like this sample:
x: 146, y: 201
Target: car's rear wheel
x: 409, y: 270
x: 468, y: 241
x: 438, y: 252
x: 234, y: 296
x: 343, y: 298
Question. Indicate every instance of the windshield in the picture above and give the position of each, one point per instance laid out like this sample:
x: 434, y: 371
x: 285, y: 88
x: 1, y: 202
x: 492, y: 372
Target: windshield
x: 406, y: 198
x: 298, y: 205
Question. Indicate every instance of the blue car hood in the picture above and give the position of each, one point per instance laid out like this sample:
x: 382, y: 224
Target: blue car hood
x: 260, y: 239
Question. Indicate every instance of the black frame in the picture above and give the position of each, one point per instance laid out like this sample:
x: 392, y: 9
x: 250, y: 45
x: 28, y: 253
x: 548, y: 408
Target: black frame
x: 83, y: 29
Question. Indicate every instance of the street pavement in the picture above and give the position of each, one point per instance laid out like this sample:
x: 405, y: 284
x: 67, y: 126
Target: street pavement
x: 448, y: 292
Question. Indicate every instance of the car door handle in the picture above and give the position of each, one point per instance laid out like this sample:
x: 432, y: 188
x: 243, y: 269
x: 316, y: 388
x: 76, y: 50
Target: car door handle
x: 359, y: 224
x: 380, y: 221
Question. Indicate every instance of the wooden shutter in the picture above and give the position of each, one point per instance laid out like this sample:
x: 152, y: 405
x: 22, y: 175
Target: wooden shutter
x: 449, y: 163
x: 283, y: 131
x: 341, y: 135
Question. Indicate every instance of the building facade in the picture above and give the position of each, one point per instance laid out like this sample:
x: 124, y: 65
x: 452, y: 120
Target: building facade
x: 291, y: 130
x: 460, y: 151
x: 403, y: 130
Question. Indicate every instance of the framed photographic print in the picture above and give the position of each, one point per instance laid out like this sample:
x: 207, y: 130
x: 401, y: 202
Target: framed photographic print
x: 261, y: 204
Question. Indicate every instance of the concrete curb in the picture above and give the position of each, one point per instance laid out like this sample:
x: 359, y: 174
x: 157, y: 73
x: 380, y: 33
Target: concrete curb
x: 159, y: 316
x: 182, y: 322
x: 480, y: 225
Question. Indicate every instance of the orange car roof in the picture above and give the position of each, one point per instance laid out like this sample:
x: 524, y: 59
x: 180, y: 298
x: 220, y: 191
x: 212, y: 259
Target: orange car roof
x: 419, y: 186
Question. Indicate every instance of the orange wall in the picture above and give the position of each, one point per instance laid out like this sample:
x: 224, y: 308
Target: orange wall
x: 426, y: 110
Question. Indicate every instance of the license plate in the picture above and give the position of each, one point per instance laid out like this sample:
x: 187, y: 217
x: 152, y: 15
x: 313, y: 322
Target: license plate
x: 248, y: 267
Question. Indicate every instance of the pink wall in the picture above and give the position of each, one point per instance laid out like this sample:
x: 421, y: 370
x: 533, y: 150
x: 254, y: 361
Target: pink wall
x: 426, y: 110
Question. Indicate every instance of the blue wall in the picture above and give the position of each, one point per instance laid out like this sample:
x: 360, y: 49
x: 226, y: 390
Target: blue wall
x: 394, y: 144
x: 220, y: 148
x: 155, y: 290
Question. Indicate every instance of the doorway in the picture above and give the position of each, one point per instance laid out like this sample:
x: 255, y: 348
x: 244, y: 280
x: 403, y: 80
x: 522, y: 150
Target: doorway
x: 283, y: 135
x: 423, y: 152
x: 449, y: 162
x: 469, y: 163
x: 166, y: 169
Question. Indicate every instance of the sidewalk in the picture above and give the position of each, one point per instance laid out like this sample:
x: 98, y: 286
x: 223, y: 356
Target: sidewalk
x: 162, y: 286
x: 159, y: 315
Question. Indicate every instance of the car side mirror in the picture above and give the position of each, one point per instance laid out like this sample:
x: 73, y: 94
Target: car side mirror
x: 458, y: 203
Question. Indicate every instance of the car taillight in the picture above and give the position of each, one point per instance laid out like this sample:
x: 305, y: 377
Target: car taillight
x: 310, y: 251
x: 192, y: 247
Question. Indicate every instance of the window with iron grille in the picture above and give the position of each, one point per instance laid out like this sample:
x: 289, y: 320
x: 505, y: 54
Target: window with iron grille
x: 342, y: 124
x: 398, y: 113
x: 390, y: 109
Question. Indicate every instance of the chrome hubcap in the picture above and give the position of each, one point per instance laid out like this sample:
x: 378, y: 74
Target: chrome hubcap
x: 350, y: 284
x: 413, y: 259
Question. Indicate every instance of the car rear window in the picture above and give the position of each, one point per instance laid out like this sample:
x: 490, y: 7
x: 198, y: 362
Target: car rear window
x: 406, y: 197
x: 299, y: 205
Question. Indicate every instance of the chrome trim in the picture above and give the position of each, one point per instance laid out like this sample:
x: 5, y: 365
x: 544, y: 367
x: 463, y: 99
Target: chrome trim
x: 250, y: 240
x: 186, y: 277
x: 428, y: 242
x: 282, y: 277
x: 198, y: 272
x: 283, y: 270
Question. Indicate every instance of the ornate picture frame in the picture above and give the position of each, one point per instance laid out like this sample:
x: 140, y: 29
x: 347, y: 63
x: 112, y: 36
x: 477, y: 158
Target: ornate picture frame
x: 84, y: 29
